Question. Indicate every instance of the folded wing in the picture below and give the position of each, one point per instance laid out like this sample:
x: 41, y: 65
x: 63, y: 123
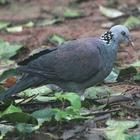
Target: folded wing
x: 74, y: 61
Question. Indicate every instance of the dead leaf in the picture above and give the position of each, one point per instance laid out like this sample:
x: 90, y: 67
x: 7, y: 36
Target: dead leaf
x: 10, y: 82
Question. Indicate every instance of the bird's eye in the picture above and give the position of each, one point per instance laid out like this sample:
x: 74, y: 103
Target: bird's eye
x: 123, y: 33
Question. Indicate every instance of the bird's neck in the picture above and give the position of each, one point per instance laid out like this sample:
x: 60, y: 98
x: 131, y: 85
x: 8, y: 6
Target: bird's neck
x: 111, y: 52
x: 111, y: 43
x: 107, y: 37
x: 111, y: 40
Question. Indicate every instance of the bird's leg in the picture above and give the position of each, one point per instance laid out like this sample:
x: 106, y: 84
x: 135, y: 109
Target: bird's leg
x: 82, y: 94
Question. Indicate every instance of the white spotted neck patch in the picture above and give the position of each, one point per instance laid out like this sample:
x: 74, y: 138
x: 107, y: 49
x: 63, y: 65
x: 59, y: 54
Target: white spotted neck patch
x: 107, y: 37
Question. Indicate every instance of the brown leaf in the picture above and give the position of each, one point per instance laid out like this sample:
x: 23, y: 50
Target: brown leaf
x: 10, y: 82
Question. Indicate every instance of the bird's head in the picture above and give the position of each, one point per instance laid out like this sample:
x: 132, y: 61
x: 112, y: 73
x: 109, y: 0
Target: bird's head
x: 121, y: 34
x: 118, y: 34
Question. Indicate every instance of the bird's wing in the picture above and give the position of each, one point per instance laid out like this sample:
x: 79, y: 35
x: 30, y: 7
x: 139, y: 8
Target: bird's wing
x: 75, y: 61
x: 35, y: 56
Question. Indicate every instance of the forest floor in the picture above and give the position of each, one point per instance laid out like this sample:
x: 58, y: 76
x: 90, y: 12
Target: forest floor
x: 48, y: 19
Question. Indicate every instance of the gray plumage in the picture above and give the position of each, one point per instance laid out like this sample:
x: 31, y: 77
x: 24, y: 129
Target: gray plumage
x: 74, y: 65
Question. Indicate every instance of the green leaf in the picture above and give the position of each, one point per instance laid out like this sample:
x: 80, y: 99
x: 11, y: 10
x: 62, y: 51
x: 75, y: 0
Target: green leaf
x: 44, y: 98
x: 29, y: 24
x: 70, y: 13
x: 26, y: 128
x: 42, y: 90
x: 3, y: 1
x: 4, y: 24
x: 20, y: 117
x: 5, y: 65
x: 134, y: 137
x: 136, y: 64
x: 129, y: 71
x: 56, y: 39
x: 136, y: 77
x: 112, y: 77
x: 68, y: 114
x: 121, y: 124
x: 10, y: 109
x: 15, y: 114
x: 43, y: 115
x: 74, y: 99
x: 60, y: 115
x: 93, y: 92
x: 5, y: 129
x: 116, y: 129
x: 8, y: 50
x: 110, y: 12
x: 49, y: 22
x: 131, y: 22
x: 8, y: 73
x: 14, y: 29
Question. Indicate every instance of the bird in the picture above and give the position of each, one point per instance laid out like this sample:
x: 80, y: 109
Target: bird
x: 74, y: 65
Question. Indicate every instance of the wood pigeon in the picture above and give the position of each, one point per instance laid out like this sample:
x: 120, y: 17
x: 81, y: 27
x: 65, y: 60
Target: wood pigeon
x: 74, y: 65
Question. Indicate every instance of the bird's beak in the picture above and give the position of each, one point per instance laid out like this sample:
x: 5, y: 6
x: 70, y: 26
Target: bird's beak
x: 131, y: 42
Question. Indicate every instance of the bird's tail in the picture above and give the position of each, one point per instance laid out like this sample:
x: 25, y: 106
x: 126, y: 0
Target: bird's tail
x: 23, y: 84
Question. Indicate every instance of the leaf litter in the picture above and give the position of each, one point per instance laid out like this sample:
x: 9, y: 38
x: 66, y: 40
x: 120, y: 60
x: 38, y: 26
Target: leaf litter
x: 64, y: 115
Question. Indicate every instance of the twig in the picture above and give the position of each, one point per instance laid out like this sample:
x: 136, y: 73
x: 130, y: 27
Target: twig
x: 103, y: 117
x: 100, y: 112
x: 131, y: 109
x: 115, y: 99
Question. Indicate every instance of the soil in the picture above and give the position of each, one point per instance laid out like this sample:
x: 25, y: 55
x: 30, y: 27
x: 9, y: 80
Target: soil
x: 19, y: 12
